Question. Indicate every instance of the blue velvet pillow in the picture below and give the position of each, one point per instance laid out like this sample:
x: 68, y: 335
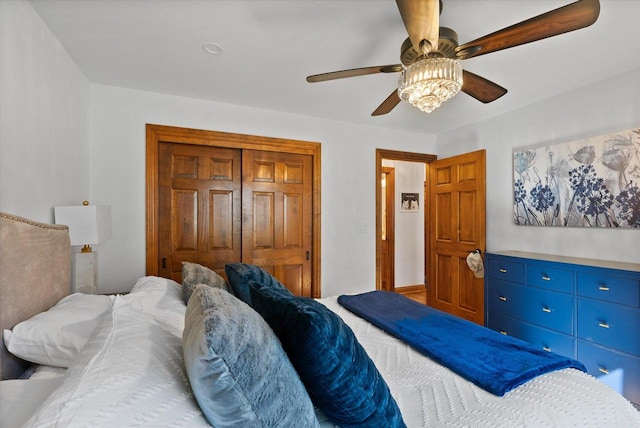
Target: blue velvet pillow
x: 238, y: 371
x: 341, y: 379
x: 241, y: 274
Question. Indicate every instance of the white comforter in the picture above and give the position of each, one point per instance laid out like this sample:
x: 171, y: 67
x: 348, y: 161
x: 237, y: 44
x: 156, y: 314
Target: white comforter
x: 430, y: 395
x: 131, y: 374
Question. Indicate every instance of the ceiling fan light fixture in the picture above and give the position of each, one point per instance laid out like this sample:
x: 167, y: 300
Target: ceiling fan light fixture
x: 427, y: 83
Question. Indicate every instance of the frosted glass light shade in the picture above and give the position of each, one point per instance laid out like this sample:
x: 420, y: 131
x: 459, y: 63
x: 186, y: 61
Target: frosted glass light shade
x: 428, y: 83
x: 88, y: 224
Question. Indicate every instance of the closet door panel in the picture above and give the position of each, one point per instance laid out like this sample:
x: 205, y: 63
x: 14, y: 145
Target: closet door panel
x: 277, y: 216
x: 199, y: 207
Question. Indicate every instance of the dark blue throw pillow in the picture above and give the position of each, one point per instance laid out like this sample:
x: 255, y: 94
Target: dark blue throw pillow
x: 341, y: 379
x: 241, y: 274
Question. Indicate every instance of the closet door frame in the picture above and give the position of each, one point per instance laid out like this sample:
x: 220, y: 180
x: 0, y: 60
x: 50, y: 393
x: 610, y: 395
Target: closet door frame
x: 155, y: 134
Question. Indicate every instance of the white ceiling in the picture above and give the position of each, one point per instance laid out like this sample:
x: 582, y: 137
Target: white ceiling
x: 271, y: 46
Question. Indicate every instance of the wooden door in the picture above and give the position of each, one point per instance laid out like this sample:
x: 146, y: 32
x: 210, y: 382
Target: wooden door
x: 199, y: 207
x: 277, y: 216
x: 457, y: 227
x: 196, y: 211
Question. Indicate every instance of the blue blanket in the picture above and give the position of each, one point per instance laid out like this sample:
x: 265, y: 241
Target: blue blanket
x: 492, y: 361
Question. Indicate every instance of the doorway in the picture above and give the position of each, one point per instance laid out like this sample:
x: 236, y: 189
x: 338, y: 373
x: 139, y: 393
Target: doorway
x: 387, y: 241
x: 454, y: 225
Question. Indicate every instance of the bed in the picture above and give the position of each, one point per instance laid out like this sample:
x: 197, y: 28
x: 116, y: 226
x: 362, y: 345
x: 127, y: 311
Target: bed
x: 147, y: 358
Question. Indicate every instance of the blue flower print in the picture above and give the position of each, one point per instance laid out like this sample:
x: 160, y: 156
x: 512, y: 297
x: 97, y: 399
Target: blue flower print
x: 629, y: 202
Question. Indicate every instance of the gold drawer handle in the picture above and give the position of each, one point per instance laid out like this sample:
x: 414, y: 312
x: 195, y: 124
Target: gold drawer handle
x: 546, y: 348
x: 503, y: 270
x: 546, y: 278
x: 503, y: 332
x: 603, y: 370
x: 603, y: 325
x: 603, y: 288
x: 547, y: 310
x: 504, y: 299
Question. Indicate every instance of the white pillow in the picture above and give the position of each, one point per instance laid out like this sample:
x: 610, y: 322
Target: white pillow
x: 55, y: 337
x: 130, y: 373
x: 157, y: 284
x: 161, y: 298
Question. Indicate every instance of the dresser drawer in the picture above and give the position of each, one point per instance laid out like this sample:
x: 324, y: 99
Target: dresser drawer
x: 548, y: 340
x: 619, y: 371
x: 604, y: 286
x: 507, y: 270
x: 545, y: 276
x: 536, y: 306
x: 609, y: 324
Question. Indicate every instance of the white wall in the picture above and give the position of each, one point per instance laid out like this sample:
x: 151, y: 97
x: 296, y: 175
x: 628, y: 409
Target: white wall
x: 409, y: 226
x: 612, y: 105
x: 45, y: 160
x: 44, y: 105
x: 118, y: 117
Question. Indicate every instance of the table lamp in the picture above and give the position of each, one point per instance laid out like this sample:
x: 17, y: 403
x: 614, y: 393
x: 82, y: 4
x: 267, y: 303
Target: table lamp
x: 88, y: 225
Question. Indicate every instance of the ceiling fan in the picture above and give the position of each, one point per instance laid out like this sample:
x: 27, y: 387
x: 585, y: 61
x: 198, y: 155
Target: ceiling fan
x: 431, y: 72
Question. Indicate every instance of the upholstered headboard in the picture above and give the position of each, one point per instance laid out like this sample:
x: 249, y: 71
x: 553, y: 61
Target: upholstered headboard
x: 34, y: 274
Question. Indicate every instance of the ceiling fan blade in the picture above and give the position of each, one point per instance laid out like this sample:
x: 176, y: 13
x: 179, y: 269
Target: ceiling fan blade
x: 388, y: 104
x: 568, y: 18
x: 480, y: 88
x: 422, y: 20
x: 393, y: 68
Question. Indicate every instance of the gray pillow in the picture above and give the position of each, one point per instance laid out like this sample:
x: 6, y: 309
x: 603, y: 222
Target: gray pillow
x: 194, y: 274
x: 239, y: 373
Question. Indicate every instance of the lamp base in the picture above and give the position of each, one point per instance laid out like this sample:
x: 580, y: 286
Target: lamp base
x: 84, y: 273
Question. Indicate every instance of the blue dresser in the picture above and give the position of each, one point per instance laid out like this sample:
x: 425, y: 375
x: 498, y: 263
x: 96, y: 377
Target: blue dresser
x: 581, y: 308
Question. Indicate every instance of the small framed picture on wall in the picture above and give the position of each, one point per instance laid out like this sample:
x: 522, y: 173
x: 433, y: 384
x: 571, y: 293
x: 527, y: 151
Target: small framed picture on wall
x: 410, y: 202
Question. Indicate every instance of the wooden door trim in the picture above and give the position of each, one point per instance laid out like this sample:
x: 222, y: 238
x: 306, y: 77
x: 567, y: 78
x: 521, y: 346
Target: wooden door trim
x: 391, y: 233
x: 401, y: 156
x: 155, y: 134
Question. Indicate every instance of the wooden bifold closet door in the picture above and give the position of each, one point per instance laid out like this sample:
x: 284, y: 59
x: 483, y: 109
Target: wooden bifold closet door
x: 199, y: 193
x: 218, y: 205
x: 276, y: 216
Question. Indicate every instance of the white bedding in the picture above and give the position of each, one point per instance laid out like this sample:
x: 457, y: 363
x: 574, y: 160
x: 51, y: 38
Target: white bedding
x: 430, y: 395
x: 47, y: 372
x: 20, y: 398
x: 130, y: 373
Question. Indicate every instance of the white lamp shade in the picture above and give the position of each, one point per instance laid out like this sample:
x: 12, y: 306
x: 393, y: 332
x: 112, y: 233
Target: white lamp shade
x: 88, y: 224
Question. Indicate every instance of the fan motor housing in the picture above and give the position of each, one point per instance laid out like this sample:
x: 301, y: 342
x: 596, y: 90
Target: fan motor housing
x: 447, y: 44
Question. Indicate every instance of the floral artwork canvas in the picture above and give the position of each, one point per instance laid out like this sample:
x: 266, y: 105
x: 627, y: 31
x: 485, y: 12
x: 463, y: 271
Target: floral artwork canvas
x: 593, y: 182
